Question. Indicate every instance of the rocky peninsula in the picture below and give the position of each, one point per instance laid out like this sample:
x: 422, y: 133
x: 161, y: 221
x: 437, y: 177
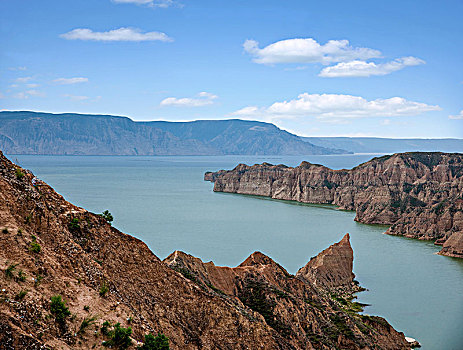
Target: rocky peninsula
x: 69, y: 280
x: 419, y: 194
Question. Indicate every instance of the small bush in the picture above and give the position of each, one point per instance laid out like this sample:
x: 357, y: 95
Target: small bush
x: 120, y: 337
x: 5, y: 230
x: 38, y: 279
x: 19, y: 174
x: 21, y: 276
x: 59, y: 309
x: 74, y: 224
x: 27, y: 219
x: 20, y: 296
x: 34, y: 247
x: 86, y: 308
x: 87, y: 322
x: 107, y: 216
x: 103, y: 289
x: 160, y: 342
x: 9, y: 271
x: 105, y: 328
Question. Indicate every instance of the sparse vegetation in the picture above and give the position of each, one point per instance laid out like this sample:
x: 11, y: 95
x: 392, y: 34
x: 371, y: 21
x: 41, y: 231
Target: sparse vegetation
x: 19, y: 173
x: 34, y: 247
x: 159, y: 342
x: 28, y: 218
x: 107, y: 216
x: 5, y: 230
x: 38, y: 279
x: 86, y: 322
x: 20, y: 296
x: 59, y: 309
x: 119, y: 337
x: 86, y: 308
x: 9, y: 271
x: 105, y: 328
x: 74, y: 224
x: 21, y: 276
x: 104, y: 289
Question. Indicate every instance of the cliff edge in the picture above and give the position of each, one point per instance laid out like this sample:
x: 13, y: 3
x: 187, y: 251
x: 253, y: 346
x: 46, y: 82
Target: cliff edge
x: 419, y: 194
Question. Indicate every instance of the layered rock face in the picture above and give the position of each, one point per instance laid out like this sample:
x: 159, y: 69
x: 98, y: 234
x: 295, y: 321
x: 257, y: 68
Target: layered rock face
x: 332, y: 268
x: 49, y: 247
x: 312, y: 309
x: 420, y: 194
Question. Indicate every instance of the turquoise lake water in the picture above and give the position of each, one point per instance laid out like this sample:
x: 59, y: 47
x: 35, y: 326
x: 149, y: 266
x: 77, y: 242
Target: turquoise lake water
x: 165, y: 202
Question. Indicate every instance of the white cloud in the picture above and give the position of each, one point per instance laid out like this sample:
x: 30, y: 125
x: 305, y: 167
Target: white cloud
x: 457, y: 116
x: 120, y: 34
x: 307, y: 51
x: 26, y: 94
x: 336, y: 106
x: 32, y: 85
x: 149, y: 3
x: 365, y: 69
x: 76, y: 97
x: 23, y: 79
x: 201, y: 99
x: 67, y: 81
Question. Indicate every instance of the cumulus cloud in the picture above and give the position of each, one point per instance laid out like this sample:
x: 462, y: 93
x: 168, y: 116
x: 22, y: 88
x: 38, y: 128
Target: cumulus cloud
x: 307, y: 51
x: 457, y: 116
x: 149, y: 3
x: 336, y: 106
x: 67, y: 81
x: 201, y: 99
x: 120, y: 34
x: 365, y: 69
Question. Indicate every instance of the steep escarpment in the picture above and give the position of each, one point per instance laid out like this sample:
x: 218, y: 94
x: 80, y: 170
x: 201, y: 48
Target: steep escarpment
x: 419, y: 194
x: 51, y: 250
x: 294, y: 306
x: 23, y: 132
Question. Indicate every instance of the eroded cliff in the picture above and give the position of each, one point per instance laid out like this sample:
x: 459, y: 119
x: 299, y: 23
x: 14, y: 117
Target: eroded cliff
x: 49, y: 247
x: 419, y: 194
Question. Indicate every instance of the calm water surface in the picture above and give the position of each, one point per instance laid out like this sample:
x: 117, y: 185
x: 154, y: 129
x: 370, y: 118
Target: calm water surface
x: 165, y: 202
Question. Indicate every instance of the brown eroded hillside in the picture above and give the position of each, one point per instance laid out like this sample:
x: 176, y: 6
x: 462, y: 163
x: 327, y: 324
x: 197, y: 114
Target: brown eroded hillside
x: 49, y: 247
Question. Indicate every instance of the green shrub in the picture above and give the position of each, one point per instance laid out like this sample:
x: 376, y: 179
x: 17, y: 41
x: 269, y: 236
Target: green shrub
x: 9, y: 271
x: 86, y: 308
x: 59, y: 309
x: 107, y: 216
x: 160, y: 342
x: 105, y: 328
x: 21, y: 276
x: 34, y: 247
x: 87, y: 322
x: 74, y: 224
x: 19, y: 174
x: 119, y: 337
x: 103, y: 289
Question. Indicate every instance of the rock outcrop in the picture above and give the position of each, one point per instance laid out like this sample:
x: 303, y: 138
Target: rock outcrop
x: 332, y: 268
x: 49, y: 247
x: 420, y: 195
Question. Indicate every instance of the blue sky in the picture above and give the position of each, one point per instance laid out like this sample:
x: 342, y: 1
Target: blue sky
x: 331, y: 68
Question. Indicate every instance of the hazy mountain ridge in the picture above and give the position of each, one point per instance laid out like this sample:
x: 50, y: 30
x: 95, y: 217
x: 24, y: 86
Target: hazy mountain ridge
x: 388, y: 145
x: 80, y: 134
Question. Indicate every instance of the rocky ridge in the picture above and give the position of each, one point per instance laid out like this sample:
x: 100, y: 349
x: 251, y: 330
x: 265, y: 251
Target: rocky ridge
x: 419, y: 194
x: 50, y: 247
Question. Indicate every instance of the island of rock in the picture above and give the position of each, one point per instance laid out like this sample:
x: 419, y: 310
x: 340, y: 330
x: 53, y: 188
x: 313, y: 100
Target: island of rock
x: 51, y: 249
x: 419, y: 194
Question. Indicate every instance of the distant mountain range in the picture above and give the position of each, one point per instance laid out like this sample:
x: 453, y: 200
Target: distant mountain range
x: 385, y: 145
x: 79, y: 134
x: 23, y: 132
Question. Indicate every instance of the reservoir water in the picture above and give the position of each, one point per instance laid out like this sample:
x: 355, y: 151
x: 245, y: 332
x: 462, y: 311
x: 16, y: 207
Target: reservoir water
x: 165, y: 202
